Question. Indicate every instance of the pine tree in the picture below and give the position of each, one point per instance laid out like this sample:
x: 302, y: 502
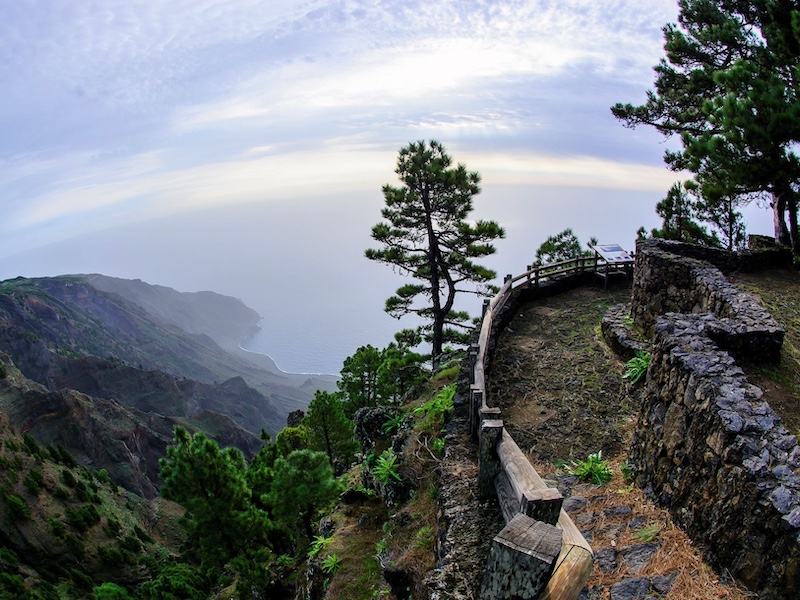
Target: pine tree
x: 728, y: 87
x: 330, y: 430
x: 303, y: 485
x: 426, y: 235
x: 211, y: 484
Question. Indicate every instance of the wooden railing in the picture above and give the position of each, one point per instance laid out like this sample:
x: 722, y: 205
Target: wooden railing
x: 540, y: 554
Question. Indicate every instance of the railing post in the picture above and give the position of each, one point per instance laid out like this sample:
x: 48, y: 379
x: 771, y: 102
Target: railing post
x: 485, y: 308
x: 488, y: 462
x: 475, y: 401
x: 536, y: 277
x: 472, y: 356
x: 508, y: 278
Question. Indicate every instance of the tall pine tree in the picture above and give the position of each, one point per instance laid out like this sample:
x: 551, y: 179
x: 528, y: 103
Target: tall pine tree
x: 426, y: 235
x: 728, y: 87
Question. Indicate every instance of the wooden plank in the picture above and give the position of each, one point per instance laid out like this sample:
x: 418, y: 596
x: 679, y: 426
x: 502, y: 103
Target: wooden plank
x: 542, y: 505
x: 509, y: 502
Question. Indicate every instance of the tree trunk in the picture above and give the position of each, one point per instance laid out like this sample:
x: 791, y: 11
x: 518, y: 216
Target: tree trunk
x: 778, y: 209
x: 793, y: 233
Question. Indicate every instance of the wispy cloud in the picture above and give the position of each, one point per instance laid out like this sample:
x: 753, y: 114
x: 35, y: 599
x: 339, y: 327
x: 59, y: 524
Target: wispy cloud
x: 125, y: 111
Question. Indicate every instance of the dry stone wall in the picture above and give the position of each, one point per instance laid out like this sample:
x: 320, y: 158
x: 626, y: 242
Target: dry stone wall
x: 706, y: 444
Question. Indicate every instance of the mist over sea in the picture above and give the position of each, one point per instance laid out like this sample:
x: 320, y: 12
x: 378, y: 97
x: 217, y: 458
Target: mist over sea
x: 300, y: 262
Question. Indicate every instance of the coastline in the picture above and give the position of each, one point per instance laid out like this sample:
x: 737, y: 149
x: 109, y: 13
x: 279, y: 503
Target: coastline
x: 257, y: 329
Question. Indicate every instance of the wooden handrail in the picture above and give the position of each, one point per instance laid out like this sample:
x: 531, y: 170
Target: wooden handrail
x: 518, y: 479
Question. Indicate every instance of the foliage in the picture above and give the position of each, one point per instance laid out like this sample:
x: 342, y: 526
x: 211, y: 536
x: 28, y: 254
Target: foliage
x: 373, y: 377
x: 290, y: 439
x: 110, y: 591
x: 331, y: 564
x: 728, y: 87
x: 384, y: 469
x: 210, y: 483
x: 636, y: 368
x: 426, y: 235
x: 175, y: 582
x: 561, y: 246
x: 594, y: 468
x: 435, y: 410
x: 330, y: 431
x: 677, y: 211
x: 303, y: 485
x: 33, y: 481
x: 319, y: 544
x: 16, y: 508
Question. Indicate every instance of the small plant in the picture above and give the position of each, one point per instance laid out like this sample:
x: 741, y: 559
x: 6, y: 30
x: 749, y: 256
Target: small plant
x: 331, y: 564
x: 393, y: 423
x: 384, y: 469
x: 627, y: 471
x: 433, y: 412
x: 438, y: 445
x: 637, y: 366
x: 594, y: 468
x: 423, y: 538
x: 647, y: 533
x: 318, y: 544
x: 381, y: 547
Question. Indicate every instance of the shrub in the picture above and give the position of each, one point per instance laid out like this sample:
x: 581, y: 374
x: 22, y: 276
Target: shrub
x: 384, y: 469
x: 110, y: 591
x: 637, y: 366
x: 61, y: 493
x: 83, y: 518
x: 112, y: 527
x: 33, y: 481
x: 142, y: 534
x: 331, y: 564
x: 16, y: 508
x: 56, y: 527
x: 594, y: 468
x: 12, y: 584
x: 31, y: 447
x: 68, y: 478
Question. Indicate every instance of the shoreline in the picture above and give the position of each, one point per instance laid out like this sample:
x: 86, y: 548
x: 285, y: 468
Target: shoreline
x: 249, y: 336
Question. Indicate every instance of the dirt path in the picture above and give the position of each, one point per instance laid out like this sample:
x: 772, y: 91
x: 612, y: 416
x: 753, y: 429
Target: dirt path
x: 562, y: 397
x: 559, y: 387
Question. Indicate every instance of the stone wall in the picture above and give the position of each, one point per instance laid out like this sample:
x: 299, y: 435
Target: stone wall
x: 669, y: 278
x: 706, y: 444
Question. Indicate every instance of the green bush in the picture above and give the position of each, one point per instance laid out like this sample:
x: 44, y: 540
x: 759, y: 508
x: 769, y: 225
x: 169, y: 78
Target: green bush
x: 8, y: 558
x: 74, y: 546
x: 142, y: 534
x: 637, y: 366
x: 112, y: 527
x: 68, y: 478
x: 12, y: 584
x: 110, y: 591
x: 56, y: 527
x: 31, y: 447
x: 16, y: 508
x: 384, y: 469
x: 61, y: 493
x: 33, y: 481
x: 594, y: 468
x: 83, y: 518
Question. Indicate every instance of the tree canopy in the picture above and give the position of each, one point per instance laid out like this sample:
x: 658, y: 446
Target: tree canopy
x: 426, y: 235
x: 728, y: 88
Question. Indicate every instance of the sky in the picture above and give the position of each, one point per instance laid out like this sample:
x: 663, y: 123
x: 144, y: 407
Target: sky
x: 207, y: 144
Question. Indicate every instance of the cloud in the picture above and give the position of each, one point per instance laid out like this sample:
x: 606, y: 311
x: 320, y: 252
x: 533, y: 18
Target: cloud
x: 126, y: 111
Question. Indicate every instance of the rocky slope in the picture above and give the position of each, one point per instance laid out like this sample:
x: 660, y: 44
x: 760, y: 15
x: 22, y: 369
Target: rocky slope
x: 108, y: 380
